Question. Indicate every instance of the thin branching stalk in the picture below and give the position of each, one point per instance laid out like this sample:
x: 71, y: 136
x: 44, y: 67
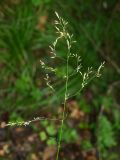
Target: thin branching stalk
x: 64, y: 108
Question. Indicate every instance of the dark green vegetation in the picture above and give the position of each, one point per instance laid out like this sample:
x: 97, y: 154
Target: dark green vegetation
x: 26, y: 31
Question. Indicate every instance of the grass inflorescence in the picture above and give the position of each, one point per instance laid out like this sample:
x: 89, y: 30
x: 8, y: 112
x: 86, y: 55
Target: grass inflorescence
x: 62, y: 31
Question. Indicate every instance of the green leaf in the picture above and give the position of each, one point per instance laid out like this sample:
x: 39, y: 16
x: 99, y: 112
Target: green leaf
x: 15, y: 117
x: 43, y: 136
x: 51, y: 142
x: 36, y: 2
x: 23, y: 83
x: 36, y: 93
x: 44, y: 123
x: 51, y: 130
x: 83, y: 125
x: 70, y: 134
x: 86, y: 144
x: 105, y: 133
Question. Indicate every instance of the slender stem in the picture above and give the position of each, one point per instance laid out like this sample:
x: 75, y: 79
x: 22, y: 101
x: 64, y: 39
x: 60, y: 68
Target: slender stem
x: 64, y: 108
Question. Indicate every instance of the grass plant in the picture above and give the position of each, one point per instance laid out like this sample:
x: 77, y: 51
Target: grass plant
x: 61, y: 27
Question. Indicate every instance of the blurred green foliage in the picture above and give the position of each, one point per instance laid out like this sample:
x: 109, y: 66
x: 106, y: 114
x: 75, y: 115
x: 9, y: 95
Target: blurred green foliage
x: 26, y: 31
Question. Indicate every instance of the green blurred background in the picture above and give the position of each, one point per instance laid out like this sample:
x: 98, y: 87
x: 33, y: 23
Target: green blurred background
x: 26, y: 31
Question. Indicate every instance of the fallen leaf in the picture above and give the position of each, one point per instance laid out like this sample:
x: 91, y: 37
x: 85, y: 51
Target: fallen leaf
x: 42, y: 22
x: 34, y: 157
x: 76, y: 114
x: 49, y: 152
x: 2, y: 152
